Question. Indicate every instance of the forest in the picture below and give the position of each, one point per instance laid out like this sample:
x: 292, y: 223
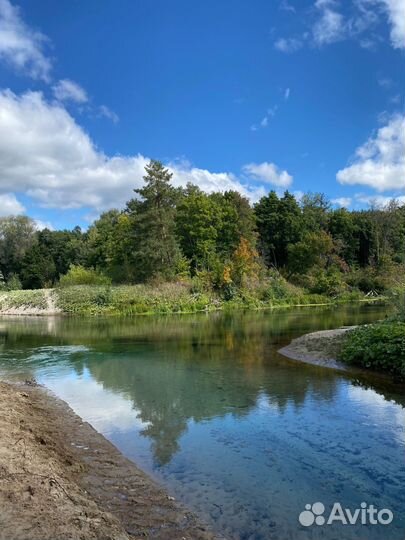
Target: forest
x: 214, y: 242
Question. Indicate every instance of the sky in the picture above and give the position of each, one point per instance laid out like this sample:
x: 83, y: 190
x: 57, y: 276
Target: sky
x: 304, y: 95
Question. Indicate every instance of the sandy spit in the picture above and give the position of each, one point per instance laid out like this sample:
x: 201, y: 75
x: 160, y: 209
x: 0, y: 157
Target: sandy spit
x: 59, y: 478
x: 318, y: 348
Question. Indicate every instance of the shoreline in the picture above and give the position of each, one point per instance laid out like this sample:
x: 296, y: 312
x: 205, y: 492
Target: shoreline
x: 62, y: 479
x: 319, y: 349
x: 46, y: 304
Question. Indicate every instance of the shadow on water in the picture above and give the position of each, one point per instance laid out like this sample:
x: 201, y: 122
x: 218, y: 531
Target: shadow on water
x: 206, y: 404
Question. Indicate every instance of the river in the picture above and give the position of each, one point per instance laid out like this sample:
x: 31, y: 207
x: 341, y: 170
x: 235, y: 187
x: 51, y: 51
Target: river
x: 205, y: 405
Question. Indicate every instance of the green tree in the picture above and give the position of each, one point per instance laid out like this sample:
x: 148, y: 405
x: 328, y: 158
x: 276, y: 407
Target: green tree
x: 279, y: 224
x: 37, y: 268
x: 110, y: 246
x: 156, y: 249
x: 344, y: 231
x: 315, y: 212
x: 315, y: 249
x: 17, y: 236
x: 198, y: 222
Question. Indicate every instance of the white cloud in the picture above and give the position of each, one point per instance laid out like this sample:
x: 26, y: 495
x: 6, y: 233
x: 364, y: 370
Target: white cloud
x: 41, y: 225
x: 108, y: 113
x: 287, y: 93
x: 268, y: 173
x: 9, y: 205
x: 380, y: 162
x: 107, y: 411
x: 45, y: 154
x: 288, y: 45
x: 396, y: 16
x: 330, y: 26
x: 20, y: 46
x: 343, y: 202
x: 67, y: 90
x: 379, y: 201
x: 210, y: 182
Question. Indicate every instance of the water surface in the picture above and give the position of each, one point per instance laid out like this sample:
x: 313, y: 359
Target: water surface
x: 207, y: 406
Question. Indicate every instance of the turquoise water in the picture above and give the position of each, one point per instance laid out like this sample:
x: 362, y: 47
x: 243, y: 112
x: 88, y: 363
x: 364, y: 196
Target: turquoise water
x: 207, y: 406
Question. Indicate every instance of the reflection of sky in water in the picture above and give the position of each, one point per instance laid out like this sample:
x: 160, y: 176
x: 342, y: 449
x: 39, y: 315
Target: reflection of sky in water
x: 108, y: 412
x: 239, y: 434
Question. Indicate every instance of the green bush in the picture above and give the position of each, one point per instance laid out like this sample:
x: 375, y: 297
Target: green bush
x: 78, y: 275
x: 399, y: 302
x: 14, y: 283
x: 378, y: 346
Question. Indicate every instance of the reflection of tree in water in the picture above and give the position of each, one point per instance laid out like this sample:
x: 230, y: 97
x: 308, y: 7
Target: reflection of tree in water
x: 177, y: 369
x: 171, y: 384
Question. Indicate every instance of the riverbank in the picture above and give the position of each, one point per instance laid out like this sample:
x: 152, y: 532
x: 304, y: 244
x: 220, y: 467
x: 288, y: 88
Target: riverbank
x: 147, y: 300
x: 62, y: 479
x: 318, y: 348
x: 377, y: 348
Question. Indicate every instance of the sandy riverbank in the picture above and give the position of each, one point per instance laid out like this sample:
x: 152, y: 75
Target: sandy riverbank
x: 318, y: 348
x: 61, y: 479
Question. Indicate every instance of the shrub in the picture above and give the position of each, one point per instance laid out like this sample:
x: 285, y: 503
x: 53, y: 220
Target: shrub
x: 329, y: 282
x: 14, y: 283
x: 78, y: 275
x: 378, y: 346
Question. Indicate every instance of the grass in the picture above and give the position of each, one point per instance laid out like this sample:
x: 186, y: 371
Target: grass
x: 23, y: 299
x: 179, y: 297
x: 132, y: 299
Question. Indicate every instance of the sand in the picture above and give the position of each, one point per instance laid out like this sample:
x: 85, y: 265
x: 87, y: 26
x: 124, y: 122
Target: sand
x: 318, y: 348
x: 60, y: 479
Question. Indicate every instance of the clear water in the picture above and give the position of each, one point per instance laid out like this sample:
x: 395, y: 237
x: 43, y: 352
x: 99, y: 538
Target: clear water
x: 207, y: 406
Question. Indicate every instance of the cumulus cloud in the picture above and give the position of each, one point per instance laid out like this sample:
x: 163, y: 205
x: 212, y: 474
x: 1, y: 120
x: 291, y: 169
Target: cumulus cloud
x: 40, y: 225
x: 67, y: 90
x: 396, y: 15
x: 268, y: 173
x: 343, y: 202
x: 9, y: 205
x: 380, y: 162
x: 379, y: 201
x: 20, y: 46
x: 45, y: 154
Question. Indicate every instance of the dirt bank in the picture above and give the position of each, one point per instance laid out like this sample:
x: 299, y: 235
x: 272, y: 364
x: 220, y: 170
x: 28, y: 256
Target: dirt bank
x: 318, y: 348
x: 60, y: 479
x: 39, y: 302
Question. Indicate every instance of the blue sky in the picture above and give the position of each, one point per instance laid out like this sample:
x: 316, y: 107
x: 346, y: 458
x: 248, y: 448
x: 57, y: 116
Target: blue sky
x: 252, y: 96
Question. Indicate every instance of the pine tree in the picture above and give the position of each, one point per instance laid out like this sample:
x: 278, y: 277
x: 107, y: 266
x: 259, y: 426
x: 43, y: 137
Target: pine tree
x: 156, y: 249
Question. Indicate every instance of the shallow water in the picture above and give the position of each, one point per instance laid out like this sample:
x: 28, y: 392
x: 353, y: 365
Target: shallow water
x: 205, y: 404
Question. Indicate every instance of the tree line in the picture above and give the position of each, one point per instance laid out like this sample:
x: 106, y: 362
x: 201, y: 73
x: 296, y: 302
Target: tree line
x: 168, y: 233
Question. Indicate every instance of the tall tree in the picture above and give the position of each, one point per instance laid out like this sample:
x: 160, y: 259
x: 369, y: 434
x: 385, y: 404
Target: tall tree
x: 279, y: 223
x: 17, y: 236
x: 198, y: 223
x: 315, y: 212
x: 156, y: 250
